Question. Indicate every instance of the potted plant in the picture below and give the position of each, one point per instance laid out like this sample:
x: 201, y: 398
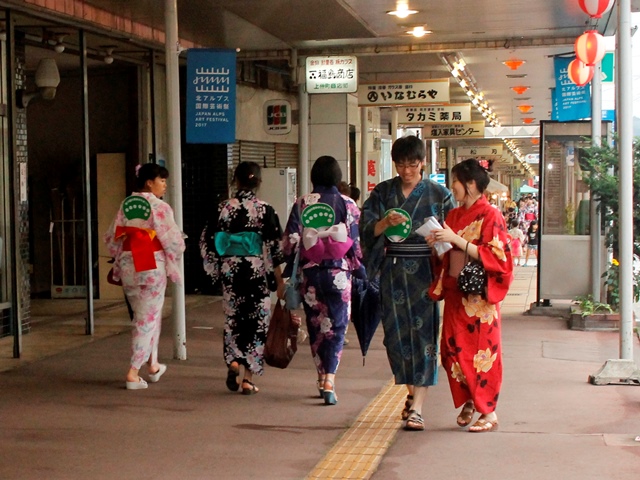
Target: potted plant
x: 589, y: 314
x: 599, y: 165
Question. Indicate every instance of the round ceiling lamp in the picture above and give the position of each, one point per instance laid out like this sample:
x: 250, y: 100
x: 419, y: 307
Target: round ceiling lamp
x: 525, y: 108
x: 402, y: 9
x: 579, y: 73
x: 520, y: 89
x: 595, y: 8
x: 514, y: 64
x: 589, y: 47
x: 419, y: 31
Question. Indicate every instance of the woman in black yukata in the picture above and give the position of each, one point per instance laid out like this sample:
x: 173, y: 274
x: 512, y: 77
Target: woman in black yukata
x: 241, y: 248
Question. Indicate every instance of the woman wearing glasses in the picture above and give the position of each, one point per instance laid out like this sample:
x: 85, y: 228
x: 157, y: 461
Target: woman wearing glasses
x: 393, y: 250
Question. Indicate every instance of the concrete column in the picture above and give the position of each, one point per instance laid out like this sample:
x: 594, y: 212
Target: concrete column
x: 175, y: 166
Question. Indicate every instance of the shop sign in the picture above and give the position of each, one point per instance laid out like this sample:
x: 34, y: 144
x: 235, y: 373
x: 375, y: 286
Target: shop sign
x: 424, y: 115
x: 403, y: 93
x: 478, y: 151
x: 455, y: 130
x: 332, y: 74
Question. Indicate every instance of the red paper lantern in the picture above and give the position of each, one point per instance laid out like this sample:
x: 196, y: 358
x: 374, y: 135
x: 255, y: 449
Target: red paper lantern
x: 579, y: 73
x: 595, y: 8
x: 589, y: 47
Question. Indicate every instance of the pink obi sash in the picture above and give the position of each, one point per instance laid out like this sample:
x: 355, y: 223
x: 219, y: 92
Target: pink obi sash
x: 330, y: 244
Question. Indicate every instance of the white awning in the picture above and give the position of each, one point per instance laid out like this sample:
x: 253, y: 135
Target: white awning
x: 496, y: 187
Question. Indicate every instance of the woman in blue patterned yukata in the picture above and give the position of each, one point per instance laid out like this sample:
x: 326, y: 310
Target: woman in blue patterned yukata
x: 323, y: 227
x: 392, y: 249
x: 241, y: 248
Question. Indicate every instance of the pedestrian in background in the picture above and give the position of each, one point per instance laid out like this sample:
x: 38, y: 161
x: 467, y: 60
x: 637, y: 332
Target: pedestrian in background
x: 533, y: 237
x: 241, y: 248
x: 146, y: 243
x: 518, y: 239
x: 401, y: 257
x: 471, y: 344
x: 329, y: 252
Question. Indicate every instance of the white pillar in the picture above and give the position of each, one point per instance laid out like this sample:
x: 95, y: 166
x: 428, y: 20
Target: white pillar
x: 594, y: 214
x: 364, y: 148
x: 175, y: 165
x: 303, y: 137
x: 625, y: 129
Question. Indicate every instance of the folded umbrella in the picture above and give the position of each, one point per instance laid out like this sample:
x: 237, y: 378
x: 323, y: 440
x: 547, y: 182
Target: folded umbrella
x: 365, y: 310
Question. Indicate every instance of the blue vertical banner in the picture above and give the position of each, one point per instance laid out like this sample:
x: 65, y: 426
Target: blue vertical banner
x: 574, y: 102
x: 211, y: 95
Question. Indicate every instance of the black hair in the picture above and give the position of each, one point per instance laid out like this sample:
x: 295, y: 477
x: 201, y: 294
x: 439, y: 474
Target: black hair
x: 247, y: 176
x: 355, y: 193
x: 326, y: 172
x: 470, y: 169
x: 407, y: 149
x: 149, y: 171
x: 514, y: 223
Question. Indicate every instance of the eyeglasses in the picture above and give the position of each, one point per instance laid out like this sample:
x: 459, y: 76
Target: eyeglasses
x: 412, y: 165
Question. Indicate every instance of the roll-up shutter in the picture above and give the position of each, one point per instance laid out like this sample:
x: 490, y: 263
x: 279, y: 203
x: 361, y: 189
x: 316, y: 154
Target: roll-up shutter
x: 264, y: 154
x: 280, y: 155
x: 286, y: 155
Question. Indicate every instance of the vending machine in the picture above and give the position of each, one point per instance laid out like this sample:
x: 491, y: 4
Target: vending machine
x: 279, y: 189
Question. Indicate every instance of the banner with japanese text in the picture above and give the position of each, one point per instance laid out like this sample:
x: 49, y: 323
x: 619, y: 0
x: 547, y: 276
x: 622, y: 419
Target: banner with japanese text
x: 211, y: 96
x: 331, y: 74
x: 455, y: 130
x: 403, y: 93
x: 424, y: 115
x: 569, y: 101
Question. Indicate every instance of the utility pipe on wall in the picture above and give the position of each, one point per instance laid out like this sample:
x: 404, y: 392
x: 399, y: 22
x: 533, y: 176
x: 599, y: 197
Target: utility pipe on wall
x: 594, y: 214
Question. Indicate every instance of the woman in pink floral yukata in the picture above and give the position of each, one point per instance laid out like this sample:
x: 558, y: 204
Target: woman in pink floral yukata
x: 146, y: 243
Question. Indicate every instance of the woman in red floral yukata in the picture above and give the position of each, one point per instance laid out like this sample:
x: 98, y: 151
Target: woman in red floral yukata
x: 471, y: 348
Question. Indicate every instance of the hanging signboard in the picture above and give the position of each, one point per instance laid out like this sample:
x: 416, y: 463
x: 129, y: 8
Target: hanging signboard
x: 569, y: 101
x: 455, y: 130
x: 277, y: 117
x: 479, y: 151
x: 405, y: 93
x: 332, y: 74
x: 211, y: 95
x: 424, y: 115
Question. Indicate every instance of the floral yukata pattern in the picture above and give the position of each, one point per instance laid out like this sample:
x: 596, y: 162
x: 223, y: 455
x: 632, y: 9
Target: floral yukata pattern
x: 326, y: 286
x: 247, y: 281
x: 471, y: 347
x: 145, y: 290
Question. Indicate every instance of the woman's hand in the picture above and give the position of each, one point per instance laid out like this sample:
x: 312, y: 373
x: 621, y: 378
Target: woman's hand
x: 445, y: 234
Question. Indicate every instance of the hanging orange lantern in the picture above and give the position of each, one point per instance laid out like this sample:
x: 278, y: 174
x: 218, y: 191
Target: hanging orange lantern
x: 528, y: 120
x: 514, y: 64
x: 589, y: 47
x: 595, y: 8
x: 579, y: 73
x: 525, y: 108
x: 520, y: 89
x: 535, y: 141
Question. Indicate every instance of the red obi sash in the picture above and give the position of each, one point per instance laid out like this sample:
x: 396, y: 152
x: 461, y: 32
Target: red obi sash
x: 141, y: 242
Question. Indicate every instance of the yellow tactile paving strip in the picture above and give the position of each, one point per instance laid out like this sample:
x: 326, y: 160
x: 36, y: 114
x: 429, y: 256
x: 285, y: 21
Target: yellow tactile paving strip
x: 359, y: 450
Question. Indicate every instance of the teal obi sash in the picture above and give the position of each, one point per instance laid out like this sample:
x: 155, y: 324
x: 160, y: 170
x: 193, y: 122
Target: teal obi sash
x: 243, y: 244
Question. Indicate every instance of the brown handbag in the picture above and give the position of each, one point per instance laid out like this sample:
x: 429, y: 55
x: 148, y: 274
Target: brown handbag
x: 282, y: 337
